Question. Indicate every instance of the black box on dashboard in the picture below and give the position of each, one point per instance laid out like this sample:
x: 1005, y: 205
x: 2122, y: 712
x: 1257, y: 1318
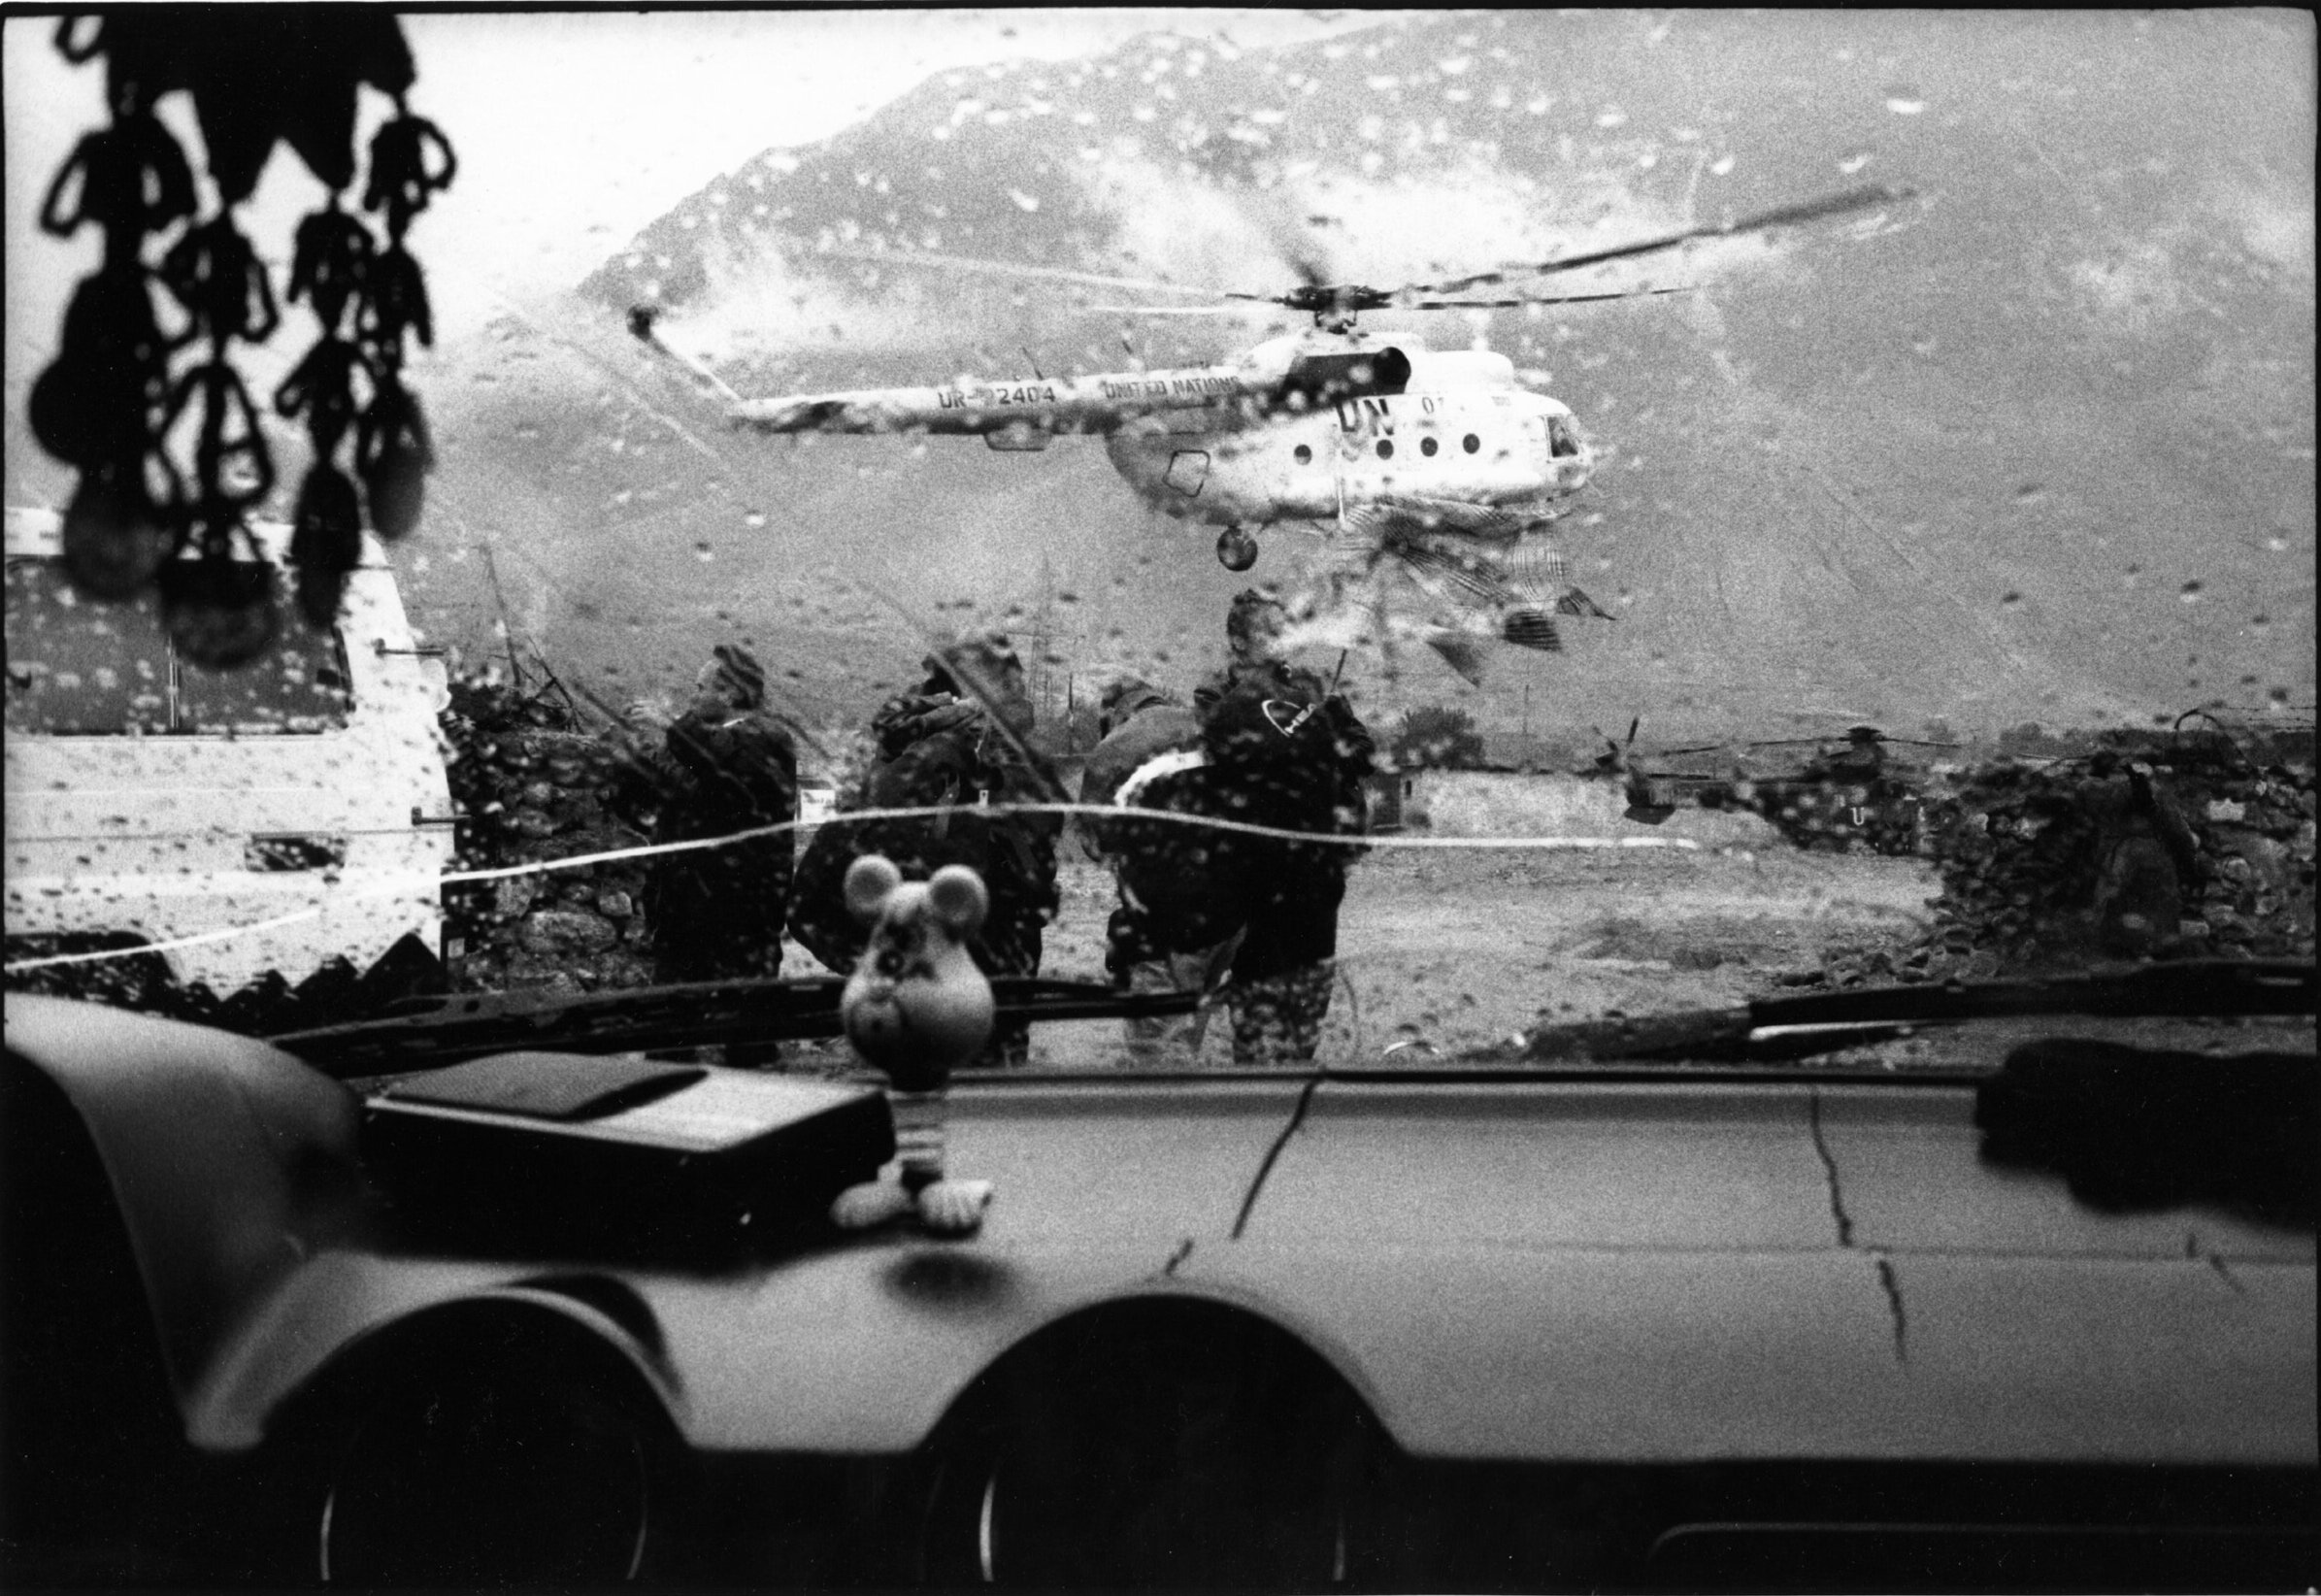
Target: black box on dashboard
x: 568, y: 1156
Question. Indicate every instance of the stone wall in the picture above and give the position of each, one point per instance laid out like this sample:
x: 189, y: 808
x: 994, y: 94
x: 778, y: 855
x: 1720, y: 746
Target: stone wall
x: 2031, y: 855
x: 532, y: 786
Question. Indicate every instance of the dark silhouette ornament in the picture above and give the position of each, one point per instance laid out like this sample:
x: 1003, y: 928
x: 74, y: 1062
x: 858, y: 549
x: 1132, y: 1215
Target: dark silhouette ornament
x: 172, y: 456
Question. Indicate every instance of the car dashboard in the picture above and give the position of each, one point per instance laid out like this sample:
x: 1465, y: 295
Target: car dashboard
x: 1937, y: 1302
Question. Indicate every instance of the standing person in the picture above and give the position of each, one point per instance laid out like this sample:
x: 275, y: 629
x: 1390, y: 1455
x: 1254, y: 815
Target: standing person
x: 725, y: 766
x: 1278, y: 749
x: 1283, y: 757
x: 2143, y: 853
x: 959, y: 741
x: 1149, y: 739
x: 1254, y: 624
x: 1136, y: 720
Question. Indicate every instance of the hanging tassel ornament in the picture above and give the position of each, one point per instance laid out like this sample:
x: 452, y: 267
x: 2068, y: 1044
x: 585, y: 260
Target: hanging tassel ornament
x: 393, y: 455
x: 115, y: 537
x: 220, y: 609
x: 410, y: 161
x: 170, y: 457
x: 326, y: 542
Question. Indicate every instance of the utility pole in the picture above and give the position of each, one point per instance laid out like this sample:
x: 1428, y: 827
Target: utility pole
x: 1044, y: 674
x: 491, y: 568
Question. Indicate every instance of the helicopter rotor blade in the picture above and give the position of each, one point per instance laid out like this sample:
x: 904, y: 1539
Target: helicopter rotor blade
x: 1516, y: 301
x: 1346, y: 299
x: 1169, y: 310
x: 1004, y: 268
x: 1787, y: 216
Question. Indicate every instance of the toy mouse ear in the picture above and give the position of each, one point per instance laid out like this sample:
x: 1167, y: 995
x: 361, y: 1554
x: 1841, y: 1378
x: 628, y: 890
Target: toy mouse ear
x: 870, y: 881
x: 957, y: 899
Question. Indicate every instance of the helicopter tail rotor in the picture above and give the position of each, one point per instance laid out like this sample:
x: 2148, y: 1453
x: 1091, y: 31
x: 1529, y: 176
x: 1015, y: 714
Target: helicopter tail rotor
x: 642, y: 319
x: 1649, y: 802
x: 1615, y: 757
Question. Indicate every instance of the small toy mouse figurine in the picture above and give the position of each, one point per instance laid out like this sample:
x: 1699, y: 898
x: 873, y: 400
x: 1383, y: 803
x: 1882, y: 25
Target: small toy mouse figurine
x: 916, y: 1007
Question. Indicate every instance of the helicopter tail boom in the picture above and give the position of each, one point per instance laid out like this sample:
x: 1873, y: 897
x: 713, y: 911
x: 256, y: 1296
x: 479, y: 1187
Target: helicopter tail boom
x: 1085, y: 403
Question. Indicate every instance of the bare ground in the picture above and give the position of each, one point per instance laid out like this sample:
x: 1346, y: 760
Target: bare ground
x: 1444, y: 950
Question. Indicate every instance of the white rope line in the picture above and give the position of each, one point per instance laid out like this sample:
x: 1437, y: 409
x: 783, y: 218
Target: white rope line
x: 415, y: 882
x: 194, y: 940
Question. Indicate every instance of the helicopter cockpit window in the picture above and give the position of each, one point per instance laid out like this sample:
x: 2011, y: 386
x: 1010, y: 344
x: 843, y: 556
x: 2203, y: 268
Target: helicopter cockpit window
x: 1561, y: 444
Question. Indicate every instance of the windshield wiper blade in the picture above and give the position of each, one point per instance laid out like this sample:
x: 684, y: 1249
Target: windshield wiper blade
x: 2193, y: 989
x: 425, y: 1033
x: 1797, y: 1026
x: 429, y: 1033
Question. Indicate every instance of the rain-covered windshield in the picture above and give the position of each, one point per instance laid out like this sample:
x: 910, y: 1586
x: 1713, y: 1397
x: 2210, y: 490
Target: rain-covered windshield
x: 1173, y: 458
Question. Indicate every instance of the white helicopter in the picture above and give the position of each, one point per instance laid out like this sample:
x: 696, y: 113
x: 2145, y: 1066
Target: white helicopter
x: 1431, y: 466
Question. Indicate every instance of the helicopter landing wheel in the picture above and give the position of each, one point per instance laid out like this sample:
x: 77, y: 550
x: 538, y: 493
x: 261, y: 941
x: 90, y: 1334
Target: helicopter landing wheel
x: 1237, y: 551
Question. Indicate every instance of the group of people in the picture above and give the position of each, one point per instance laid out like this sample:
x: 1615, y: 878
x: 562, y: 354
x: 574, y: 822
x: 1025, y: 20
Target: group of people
x: 1231, y: 910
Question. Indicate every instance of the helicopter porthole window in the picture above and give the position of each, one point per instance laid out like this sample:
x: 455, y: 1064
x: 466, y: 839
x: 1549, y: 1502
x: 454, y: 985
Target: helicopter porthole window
x: 1302, y: 454
x: 1471, y: 442
x: 1385, y: 449
x: 1427, y: 446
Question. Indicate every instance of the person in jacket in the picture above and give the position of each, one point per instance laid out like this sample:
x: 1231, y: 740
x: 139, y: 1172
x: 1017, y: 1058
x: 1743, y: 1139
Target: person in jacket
x: 723, y: 768
x: 1254, y: 625
x: 1280, y: 749
x: 1144, y: 729
x: 1134, y: 721
x: 1280, y: 757
x: 959, y: 743
x: 2144, y: 854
